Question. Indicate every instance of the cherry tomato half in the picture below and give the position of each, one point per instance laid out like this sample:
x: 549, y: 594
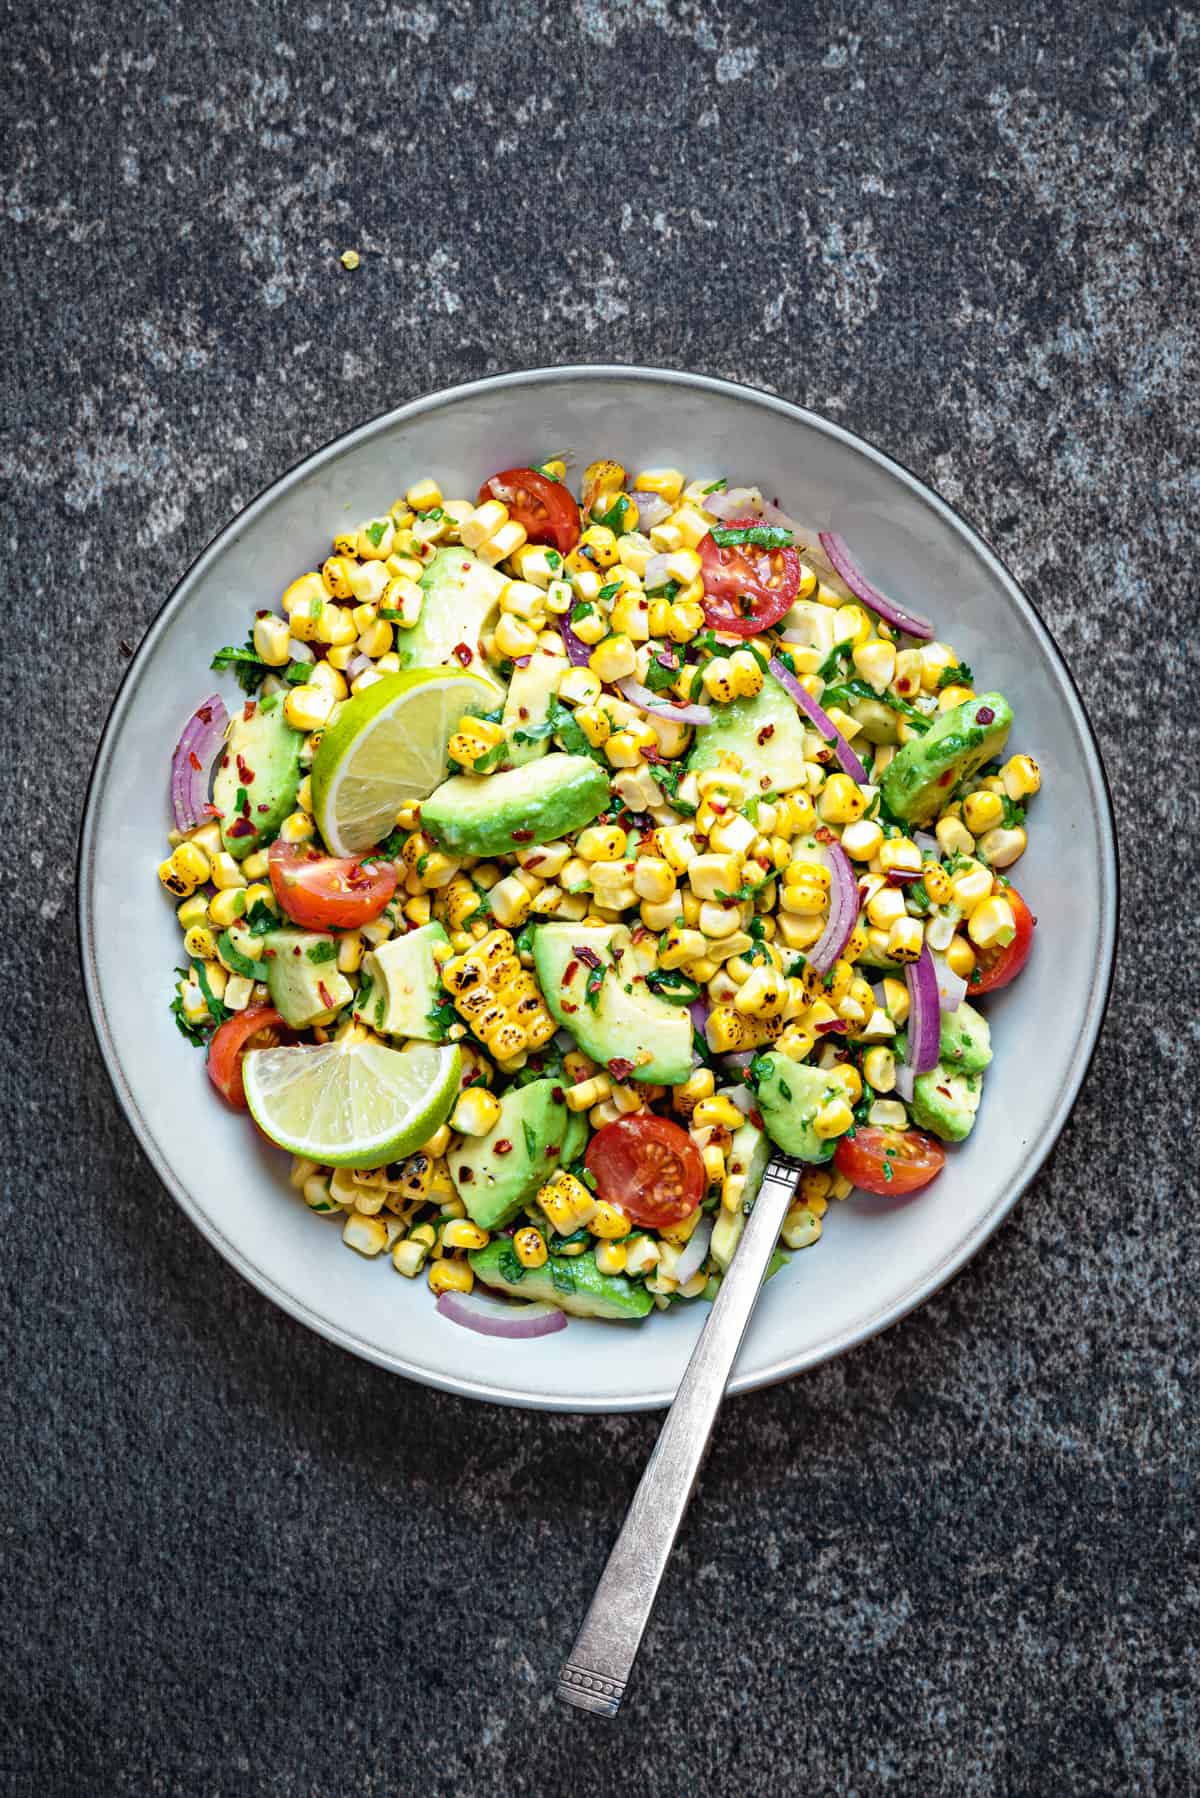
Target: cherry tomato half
x: 258, y: 1027
x: 746, y: 589
x: 545, y: 508
x: 996, y: 967
x: 649, y: 1167
x: 319, y: 890
x: 891, y: 1162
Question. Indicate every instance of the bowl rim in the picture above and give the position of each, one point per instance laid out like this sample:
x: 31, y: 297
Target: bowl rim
x: 859, y: 1329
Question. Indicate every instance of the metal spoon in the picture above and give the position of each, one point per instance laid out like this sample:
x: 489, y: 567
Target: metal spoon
x: 597, y: 1670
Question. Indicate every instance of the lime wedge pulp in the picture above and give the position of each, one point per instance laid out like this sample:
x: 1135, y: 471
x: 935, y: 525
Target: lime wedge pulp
x: 387, y: 748
x: 352, y: 1104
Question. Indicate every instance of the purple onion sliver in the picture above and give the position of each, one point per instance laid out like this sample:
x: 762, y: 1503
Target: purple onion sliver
x: 820, y: 721
x: 924, y: 1013
x: 191, y: 764
x: 577, y: 652
x: 838, y: 551
x: 905, y: 1079
x: 843, y: 911
x: 488, y: 1318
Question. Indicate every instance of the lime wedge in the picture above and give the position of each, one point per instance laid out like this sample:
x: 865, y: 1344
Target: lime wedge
x: 386, y: 749
x: 352, y: 1104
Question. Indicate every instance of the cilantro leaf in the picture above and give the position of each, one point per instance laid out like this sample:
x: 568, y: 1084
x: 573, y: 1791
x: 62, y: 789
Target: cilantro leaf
x: 248, y: 667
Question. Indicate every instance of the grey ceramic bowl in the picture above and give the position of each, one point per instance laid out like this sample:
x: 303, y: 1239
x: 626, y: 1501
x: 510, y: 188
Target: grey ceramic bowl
x: 877, y: 1259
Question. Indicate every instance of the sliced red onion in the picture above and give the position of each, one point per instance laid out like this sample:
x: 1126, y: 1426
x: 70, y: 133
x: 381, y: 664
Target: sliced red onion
x: 799, y: 637
x: 924, y: 1013
x: 656, y: 574
x: 577, y: 651
x: 821, y: 721
x: 358, y: 665
x: 488, y: 1317
x: 733, y: 502
x: 838, y: 551
x: 740, y: 1059
x: 652, y: 509
x: 742, y: 1097
x: 658, y: 707
x: 693, y: 1252
x: 698, y: 1012
x: 843, y: 910
x: 928, y: 845
x: 191, y: 764
x: 905, y: 1081
x: 564, y: 1040
x: 952, y: 988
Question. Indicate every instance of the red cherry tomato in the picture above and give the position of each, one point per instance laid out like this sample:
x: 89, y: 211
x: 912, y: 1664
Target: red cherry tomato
x: 746, y: 589
x: 258, y: 1027
x: 891, y: 1162
x: 996, y: 967
x: 544, y: 507
x: 321, y: 890
x: 649, y: 1167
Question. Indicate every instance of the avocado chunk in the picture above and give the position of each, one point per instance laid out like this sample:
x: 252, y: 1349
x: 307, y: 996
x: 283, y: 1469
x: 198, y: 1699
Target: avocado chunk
x: 496, y: 814
x: 303, y: 978
x: 575, y: 1140
x: 531, y: 693
x: 766, y: 731
x: 748, y: 1155
x: 261, y: 761
x: 461, y: 594
x: 966, y: 1041
x: 573, y: 1284
x: 790, y: 1094
x: 945, y: 1102
x: 920, y: 778
x: 584, y: 971
x: 404, y: 987
x: 498, y: 1173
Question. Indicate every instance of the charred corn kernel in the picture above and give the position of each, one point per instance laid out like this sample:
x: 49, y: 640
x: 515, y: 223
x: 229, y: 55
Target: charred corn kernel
x: 717, y: 920
x: 476, y: 1112
x: 483, y: 523
x: 699, y: 1085
x: 595, y: 724
x: 497, y: 997
x: 680, y: 946
x: 567, y: 1203
x: 807, y: 896
x: 981, y: 811
x: 800, y: 1228
x: 1021, y: 776
x: 578, y: 686
x: 586, y: 1093
x: 602, y: 843
x: 642, y: 1256
x: 900, y: 853
x: 936, y: 882
x: 717, y: 1111
x: 462, y: 901
x: 959, y: 958
x: 461, y: 1233
x: 613, y: 659
x: 630, y: 616
x: 833, y: 1118
x: 405, y: 597
x: 746, y: 674
x: 297, y: 827
x: 762, y: 995
x: 729, y: 1031
x: 200, y: 943
x: 450, y: 1276
x: 992, y: 924
x: 685, y: 621
x: 365, y: 1234
x: 474, y: 738
x: 623, y: 749
x: 611, y: 1257
x: 971, y: 886
x: 718, y: 680
x: 879, y: 1069
x: 192, y: 863
x: 905, y: 939
x: 307, y: 707
x: 529, y: 1246
x: 666, y: 482
x: 510, y: 902
x: 175, y: 881
x: 800, y: 932
x: 677, y: 846
x: 847, y: 1076
x: 794, y: 815
x: 949, y: 697
x: 842, y: 800
x: 862, y: 840
x: 908, y: 672
x: 601, y: 542
x: 608, y: 1222
x: 875, y: 662
x: 1003, y: 847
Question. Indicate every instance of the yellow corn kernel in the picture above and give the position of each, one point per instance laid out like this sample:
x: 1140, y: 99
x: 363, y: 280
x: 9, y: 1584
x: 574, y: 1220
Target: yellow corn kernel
x: 879, y: 1069
x: 677, y: 846
x: 595, y: 724
x: 862, y: 840
x: 611, y: 1257
x: 949, y: 697
x: 461, y: 1233
x: 959, y: 958
x: 483, y: 523
x: 578, y: 686
x: 718, y: 680
x: 842, y: 800
x: 847, y: 1076
x: 613, y: 659
x: 623, y: 749
x: 895, y: 999
x: 601, y: 543
x: 799, y: 932
x: 529, y: 1246
x: 875, y: 662
x: 833, y: 1118
x: 476, y: 1112
x: 953, y: 836
x: 510, y: 901
x: 404, y: 596
x: 450, y: 1276
x: 666, y: 482
x: 630, y: 616
x: 746, y: 674
x: 513, y: 637
x: 307, y: 707
x: 602, y: 843
x: 992, y: 924
x: 609, y: 1222
x: 567, y: 1203
x: 1021, y: 776
x: 800, y: 1228
x: 981, y: 811
x: 936, y: 882
x: 654, y: 880
x: 762, y: 994
x: 423, y: 496
x: 794, y: 815
x: 502, y: 543
x: 905, y: 939
x: 685, y: 621
x: 900, y: 853
x: 1003, y: 847
x: 851, y: 625
x: 365, y: 1234
x: 691, y: 525
x: 297, y: 827
x: 717, y: 1111
x: 971, y: 886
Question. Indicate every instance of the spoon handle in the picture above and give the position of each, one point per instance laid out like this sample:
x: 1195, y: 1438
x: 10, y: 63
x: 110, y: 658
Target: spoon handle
x: 597, y: 1670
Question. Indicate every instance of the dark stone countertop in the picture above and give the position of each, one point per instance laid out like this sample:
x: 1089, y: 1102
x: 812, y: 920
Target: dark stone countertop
x: 962, y: 1559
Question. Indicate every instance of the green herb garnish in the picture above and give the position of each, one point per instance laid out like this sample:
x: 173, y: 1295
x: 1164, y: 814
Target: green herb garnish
x: 762, y: 536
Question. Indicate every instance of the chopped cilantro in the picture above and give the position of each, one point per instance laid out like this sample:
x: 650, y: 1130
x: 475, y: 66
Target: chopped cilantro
x: 530, y: 1136
x: 197, y: 1034
x: 296, y: 673
x: 562, y: 1276
x: 673, y: 985
x: 592, y: 989
x: 491, y: 758
x: 216, y: 1011
x: 508, y: 1267
x: 957, y: 675
x: 614, y: 518
x: 715, y: 486
x: 1013, y: 815
x: 375, y: 531
x: 543, y: 469
x: 440, y: 1018
x: 762, y: 536
x: 248, y: 667
x: 233, y: 958
x: 323, y: 952
x: 260, y: 919
x: 610, y: 591
x: 658, y: 677
x: 581, y: 610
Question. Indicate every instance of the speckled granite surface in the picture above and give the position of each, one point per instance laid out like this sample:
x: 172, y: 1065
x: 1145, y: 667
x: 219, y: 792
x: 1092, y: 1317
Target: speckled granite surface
x: 963, y: 1559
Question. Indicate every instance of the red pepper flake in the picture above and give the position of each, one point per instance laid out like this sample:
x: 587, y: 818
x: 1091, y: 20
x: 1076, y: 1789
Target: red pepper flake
x: 522, y: 710
x: 248, y: 710
x: 246, y: 773
x: 619, y: 1068
x: 587, y: 956
x: 241, y: 827
x: 463, y: 654
x: 464, y: 1174
x: 984, y: 715
x: 903, y: 685
x: 565, y: 1005
x: 558, y: 1095
x: 204, y: 713
x: 263, y: 808
x: 212, y: 811
x: 326, y: 995
x: 835, y: 1024
x: 823, y: 833
x: 224, y: 761
x: 194, y: 759
x: 521, y: 836
x: 945, y: 779
x: 572, y: 968
x: 946, y: 1090
x: 756, y: 1120
x: 503, y: 1147
x: 765, y: 734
